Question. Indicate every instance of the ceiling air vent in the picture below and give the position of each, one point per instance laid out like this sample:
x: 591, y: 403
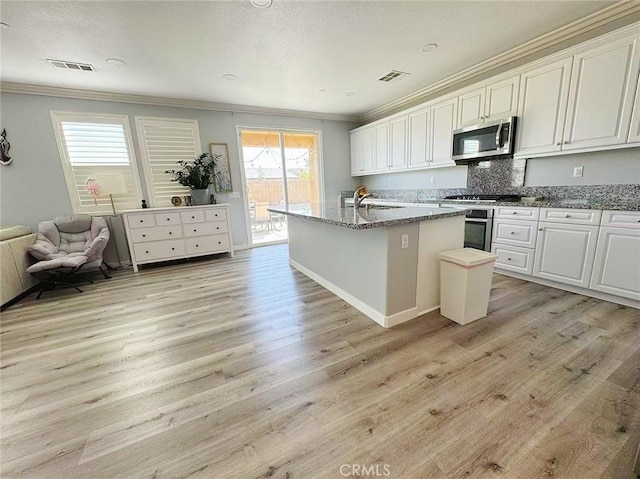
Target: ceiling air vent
x: 392, y: 75
x: 83, y: 67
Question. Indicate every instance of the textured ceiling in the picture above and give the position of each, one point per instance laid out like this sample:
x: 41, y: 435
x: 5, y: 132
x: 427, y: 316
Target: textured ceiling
x: 283, y: 56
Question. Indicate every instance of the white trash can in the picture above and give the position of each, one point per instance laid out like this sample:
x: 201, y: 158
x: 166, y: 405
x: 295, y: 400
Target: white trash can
x: 465, y: 284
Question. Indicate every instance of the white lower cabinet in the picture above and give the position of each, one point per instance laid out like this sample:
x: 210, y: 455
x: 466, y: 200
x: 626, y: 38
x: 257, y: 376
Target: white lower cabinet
x: 565, y: 253
x: 616, y: 268
x: 163, y: 234
x: 513, y: 258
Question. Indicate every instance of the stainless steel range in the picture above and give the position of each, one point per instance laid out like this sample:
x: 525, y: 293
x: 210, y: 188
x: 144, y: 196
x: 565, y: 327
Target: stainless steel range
x: 479, y: 217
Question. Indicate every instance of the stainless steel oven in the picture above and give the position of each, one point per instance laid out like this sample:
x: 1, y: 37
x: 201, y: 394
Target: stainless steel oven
x: 478, y: 225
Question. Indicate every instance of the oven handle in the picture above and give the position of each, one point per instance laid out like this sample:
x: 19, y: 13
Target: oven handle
x: 477, y: 220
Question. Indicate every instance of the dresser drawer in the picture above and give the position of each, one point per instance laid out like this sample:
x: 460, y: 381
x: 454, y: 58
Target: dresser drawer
x: 513, y: 258
x: 211, y: 228
x: 167, y: 219
x: 570, y: 216
x: 207, y: 244
x: 158, y: 249
x: 216, y: 214
x: 140, y: 235
x: 196, y: 216
x: 621, y: 219
x: 141, y: 221
x: 516, y: 213
x: 517, y: 233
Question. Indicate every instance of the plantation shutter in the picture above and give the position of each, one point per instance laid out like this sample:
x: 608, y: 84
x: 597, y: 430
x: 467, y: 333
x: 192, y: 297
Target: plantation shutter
x: 164, y: 142
x: 97, y: 148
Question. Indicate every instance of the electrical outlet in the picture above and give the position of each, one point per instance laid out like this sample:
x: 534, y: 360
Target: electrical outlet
x: 405, y: 241
x: 577, y: 171
x: 432, y: 179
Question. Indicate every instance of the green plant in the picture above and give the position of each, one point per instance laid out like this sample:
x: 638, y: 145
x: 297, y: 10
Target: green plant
x: 196, y: 174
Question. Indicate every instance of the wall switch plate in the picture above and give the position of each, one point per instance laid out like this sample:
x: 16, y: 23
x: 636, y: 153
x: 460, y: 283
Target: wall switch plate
x: 577, y: 171
x: 432, y: 179
x: 405, y: 241
x: 234, y: 194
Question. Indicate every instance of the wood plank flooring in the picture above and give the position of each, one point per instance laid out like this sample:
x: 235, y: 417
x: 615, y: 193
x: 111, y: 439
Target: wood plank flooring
x: 243, y: 368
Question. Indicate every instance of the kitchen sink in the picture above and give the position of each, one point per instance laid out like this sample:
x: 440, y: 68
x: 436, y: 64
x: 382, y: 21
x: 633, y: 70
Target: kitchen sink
x: 375, y: 207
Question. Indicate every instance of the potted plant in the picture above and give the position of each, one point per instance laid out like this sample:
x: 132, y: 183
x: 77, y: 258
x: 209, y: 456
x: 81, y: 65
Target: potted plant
x: 196, y: 175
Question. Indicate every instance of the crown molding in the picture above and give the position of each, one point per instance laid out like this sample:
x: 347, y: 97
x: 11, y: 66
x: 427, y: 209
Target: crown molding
x: 61, y: 92
x: 564, y: 33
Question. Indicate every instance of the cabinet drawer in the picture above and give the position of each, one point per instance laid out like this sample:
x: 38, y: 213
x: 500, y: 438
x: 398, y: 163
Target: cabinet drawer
x: 196, y: 216
x: 158, y: 250
x: 207, y: 244
x: 199, y: 229
x: 216, y: 214
x: 516, y: 213
x: 518, y: 233
x: 513, y: 258
x: 140, y: 235
x: 621, y: 219
x: 166, y: 219
x: 571, y: 216
x: 141, y: 221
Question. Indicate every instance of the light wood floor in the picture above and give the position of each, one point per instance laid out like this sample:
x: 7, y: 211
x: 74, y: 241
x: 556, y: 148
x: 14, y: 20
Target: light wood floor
x: 243, y: 368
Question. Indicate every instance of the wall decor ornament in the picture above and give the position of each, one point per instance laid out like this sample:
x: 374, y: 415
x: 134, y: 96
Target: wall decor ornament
x: 222, y: 177
x: 5, y: 146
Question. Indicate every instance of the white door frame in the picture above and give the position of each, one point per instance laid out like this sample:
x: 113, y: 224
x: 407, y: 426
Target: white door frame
x: 245, y: 198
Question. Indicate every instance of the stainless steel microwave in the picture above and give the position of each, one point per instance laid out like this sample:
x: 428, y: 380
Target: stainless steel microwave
x: 484, y: 142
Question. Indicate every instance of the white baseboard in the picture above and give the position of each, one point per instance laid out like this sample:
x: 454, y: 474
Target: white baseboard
x: 378, y: 317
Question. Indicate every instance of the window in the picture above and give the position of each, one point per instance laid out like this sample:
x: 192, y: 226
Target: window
x: 163, y: 142
x: 96, y: 150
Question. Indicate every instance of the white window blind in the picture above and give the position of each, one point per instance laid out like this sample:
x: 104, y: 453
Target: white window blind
x: 163, y: 142
x: 98, y: 148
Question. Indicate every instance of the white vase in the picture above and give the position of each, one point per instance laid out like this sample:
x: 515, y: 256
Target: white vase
x: 200, y: 197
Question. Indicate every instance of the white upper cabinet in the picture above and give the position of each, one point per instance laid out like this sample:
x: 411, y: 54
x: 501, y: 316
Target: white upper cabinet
x: 443, y: 121
x: 634, y: 131
x: 542, y: 108
x: 398, y: 143
x: 362, y: 145
x: 501, y: 99
x: 602, y: 91
x: 418, y: 138
x: 493, y: 102
x: 471, y: 108
x: 381, y: 138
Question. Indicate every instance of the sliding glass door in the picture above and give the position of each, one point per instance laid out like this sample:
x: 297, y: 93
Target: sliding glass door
x: 281, y: 168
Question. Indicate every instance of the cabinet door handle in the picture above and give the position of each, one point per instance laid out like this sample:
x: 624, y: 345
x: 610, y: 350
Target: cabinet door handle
x: 539, y: 229
x: 172, y: 249
x: 141, y: 221
x: 195, y: 231
x: 193, y: 217
x: 147, y: 252
x: 508, y: 259
x: 168, y: 219
x: 567, y: 216
x: 514, y: 212
x: 170, y: 232
x: 558, y: 144
x: 144, y: 236
x: 565, y: 142
x: 197, y: 245
x: 217, y: 227
x: 512, y: 233
x: 219, y: 242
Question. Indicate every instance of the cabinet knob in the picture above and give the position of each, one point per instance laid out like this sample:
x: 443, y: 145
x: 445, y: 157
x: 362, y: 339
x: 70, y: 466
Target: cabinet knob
x: 144, y: 236
x: 539, y: 229
x: 219, y: 242
x: 638, y: 220
x: 168, y: 219
x: 170, y: 232
x: 512, y: 233
x: 514, y: 212
x: 172, y: 249
x: 508, y: 259
x: 141, y: 221
x: 565, y: 142
x: 147, y: 252
x: 216, y: 214
x: 217, y: 227
x: 567, y: 216
x: 558, y: 144
x: 193, y: 217
x: 195, y: 231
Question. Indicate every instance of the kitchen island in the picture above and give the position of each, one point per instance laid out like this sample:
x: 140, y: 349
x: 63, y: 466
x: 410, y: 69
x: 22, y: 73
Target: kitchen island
x: 382, y: 260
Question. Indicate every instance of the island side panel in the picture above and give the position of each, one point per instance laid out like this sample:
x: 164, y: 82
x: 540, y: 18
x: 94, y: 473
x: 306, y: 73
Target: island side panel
x: 352, y: 262
x: 445, y: 234
x: 401, y: 273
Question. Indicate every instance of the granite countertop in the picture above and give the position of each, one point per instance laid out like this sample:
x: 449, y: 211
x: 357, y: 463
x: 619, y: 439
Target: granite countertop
x: 363, y: 218
x: 589, y: 204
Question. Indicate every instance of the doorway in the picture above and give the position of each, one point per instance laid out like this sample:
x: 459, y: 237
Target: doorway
x: 280, y: 168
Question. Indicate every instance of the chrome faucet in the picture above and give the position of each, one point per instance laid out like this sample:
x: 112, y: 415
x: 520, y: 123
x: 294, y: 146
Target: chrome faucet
x: 358, y: 199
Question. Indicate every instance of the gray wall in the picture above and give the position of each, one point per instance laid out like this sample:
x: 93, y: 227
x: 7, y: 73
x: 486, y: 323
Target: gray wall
x: 614, y: 167
x: 33, y: 188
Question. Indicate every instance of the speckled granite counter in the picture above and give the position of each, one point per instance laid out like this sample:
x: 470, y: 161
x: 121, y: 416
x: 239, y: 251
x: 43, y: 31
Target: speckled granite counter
x: 590, y: 204
x: 363, y: 218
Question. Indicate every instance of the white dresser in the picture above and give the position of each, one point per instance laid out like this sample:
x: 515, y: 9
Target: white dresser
x: 163, y: 234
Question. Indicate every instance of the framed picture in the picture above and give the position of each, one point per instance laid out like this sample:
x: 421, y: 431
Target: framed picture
x: 222, y: 178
